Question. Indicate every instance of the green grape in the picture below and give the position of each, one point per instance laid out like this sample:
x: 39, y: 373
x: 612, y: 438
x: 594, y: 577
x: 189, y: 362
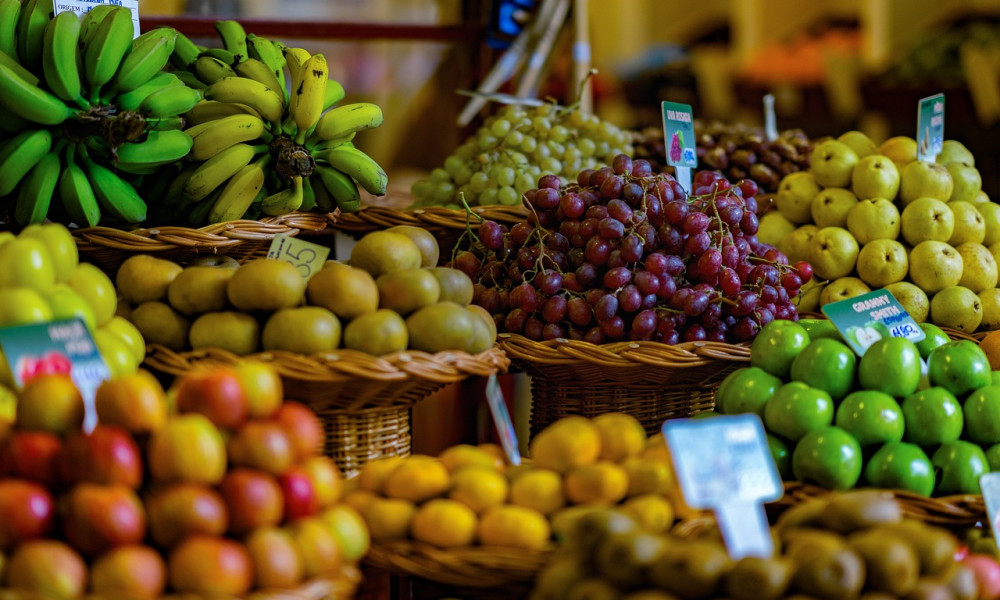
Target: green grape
x: 488, y: 196
x: 466, y: 151
x: 443, y: 192
x: 586, y: 146
x: 463, y: 175
x: 576, y: 119
x: 541, y: 152
x: 556, y: 148
x: 508, y: 196
x: 523, y: 182
x: 506, y: 176
x: 559, y: 134
x: 478, y: 182
x: 422, y: 189
x: 517, y: 158
x: 486, y: 141
x: 452, y: 164
x: 544, y: 110
x: 603, y: 149
x: 500, y: 128
x: 551, y: 165
x: 572, y: 153
x: 514, y: 138
x: 529, y: 144
x: 439, y: 175
x: 466, y: 191
x: 590, y: 122
x: 541, y: 125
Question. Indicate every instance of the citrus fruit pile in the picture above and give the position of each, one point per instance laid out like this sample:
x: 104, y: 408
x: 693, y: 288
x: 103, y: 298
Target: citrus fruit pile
x: 469, y: 495
x: 218, y: 491
x: 923, y: 417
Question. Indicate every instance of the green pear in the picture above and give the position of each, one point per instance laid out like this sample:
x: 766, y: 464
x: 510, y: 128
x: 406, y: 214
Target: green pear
x: 882, y: 262
x: 935, y: 266
x: 833, y: 253
x: 913, y: 299
x: 991, y: 220
x: 873, y: 219
x: 830, y: 207
x: 970, y: 227
x: 796, y: 244
x: 927, y: 219
x: 859, y: 142
x: 795, y: 194
x: 990, y: 300
x: 955, y: 151
x: 979, y: 268
x: 925, y: 180
x: 842, y: 289
x: 831, y: 163
x: 875, y: 176
x: 957, y: 307
x: 772, y: 227
x: 967, y: 182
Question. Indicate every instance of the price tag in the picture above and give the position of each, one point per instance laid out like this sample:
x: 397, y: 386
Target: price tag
x: 865, y: 319
x: 989, y: 484
x: 770, y: 121
x: 80, y: 7
x: 502, y: 420
x: 724, y: 464
x: 57, y: 347
x: 678, y: 136
x: 930, y: 127
x: 307, y: 257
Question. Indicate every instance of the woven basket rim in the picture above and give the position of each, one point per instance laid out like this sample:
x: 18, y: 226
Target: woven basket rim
x: 371, y: 218
x: 952, y: 509
x: 562, y: 351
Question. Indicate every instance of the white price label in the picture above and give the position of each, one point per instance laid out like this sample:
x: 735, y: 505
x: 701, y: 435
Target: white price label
x: 82, y: 7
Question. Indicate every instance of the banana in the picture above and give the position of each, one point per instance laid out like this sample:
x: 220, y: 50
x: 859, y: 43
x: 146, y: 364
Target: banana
x: 347, y: 119
x: 159, y: 148
x: 308, y: 195
x: 266, y: 52
x: 14, y: 124
x: 319, y: 146
x: 210, y: 110
x: 234, y: 38
x: 10, y: 10
x: 322, y: 197
x: 35, y: 15
x: 198, y: 213
x: 114, y: 195
x: 30, y: 101
x: 360, y: 166
x: 223, y: 55
x: 77, y: 195
x: 174, y: 195
x: 92, y: 20
x: 209, y: 69
x: 166, y: 123
x: 252, y: 68
x: 285, y: 201
x: 11, y: 63
x: 223, y: 133
x: 170, y: 101
x: 266, y: 101
x: 133, y: 99
x: 334, y: 93
x: 190, y: 79
x: 104, y: 54
x: 37, y: 189
x: 295, y: 60
x: 185, y: 52
x: 310, y: 94
x: 239, y: 192
x: 59, y: 58
x: 340, y: 187
x: 20, y: 155
x: 149, y: 54
x: 215, y: 171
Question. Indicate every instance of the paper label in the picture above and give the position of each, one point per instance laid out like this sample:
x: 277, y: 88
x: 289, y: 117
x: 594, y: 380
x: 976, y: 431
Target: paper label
x: 989, y: 484
x: 502, y: 420
x: 865, y: 319
x: 770, y: 121
x: 678, y: 134
x: 307, y: 257
x: 56, y: 347
x: 80, y: 7
x: 930, y: 127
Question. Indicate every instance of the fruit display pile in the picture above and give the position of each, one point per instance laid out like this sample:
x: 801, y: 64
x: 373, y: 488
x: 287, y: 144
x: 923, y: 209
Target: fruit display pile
x: 854, y: 545
x: 101, y: 128
x: 870, y: 217
x: 389, y: 297
x: 886, y: 420
x: 217, y: 492
x: 736, y: 150
x: 514, y: 148
x: 623, y: 253
x: 469, y: 495
x: 937, y: 58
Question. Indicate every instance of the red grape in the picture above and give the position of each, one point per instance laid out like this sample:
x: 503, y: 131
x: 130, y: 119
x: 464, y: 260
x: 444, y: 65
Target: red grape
x: 551, y: 182
x: 546, y: 198
x: 610, y: 229
x: 617, y: 277
x: 468, y: 263
x: 656, y: 263
x: 583, y: 177
x: 632, y: 248
x: 600, y: 175
x: 597, y: 211
x: 698, y: 243
x: 647, y: 282
x: 613, y: 328
x: 572, y: 205
x: 533, y: 328
x: 804, y: 270
x: 695, y: 222
x: 597, y: 250
x: 676, y: 211
x: 729, y: 281
x: 618, y: 209
x: 553, y: 331
x: 606, y: 307
x: 694, y: 333
x: 622, y: 164
x: 554, y: 309
x: 548, y: 282
x: 594, y: 335
x: 633, y: 193
x: 490, y: 235
x: 615, y: 259
x: 579, y: 311
x: 629, y: 299
x: 514, y: 323
x: 525, y: 297
x: 586, y: 274
x: 641, y: 168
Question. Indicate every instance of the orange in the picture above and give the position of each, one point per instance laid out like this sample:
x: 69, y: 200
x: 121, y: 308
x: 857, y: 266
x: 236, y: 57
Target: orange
x: 652, y: 512
x: 478, y: 488
x: 373, y: 474
x: 622, y: 436
x: 134, y: 402
x: 388, y: 518
x: 417, y: 478
x: 540, y: 489
x: 604, y: 484
x: 444, y: 523
x: 465, y: 455
x: 515, y: 527
x: 991, y: 346
x: 648, y: 476
x: 50, y: 403
x: 567, y: 443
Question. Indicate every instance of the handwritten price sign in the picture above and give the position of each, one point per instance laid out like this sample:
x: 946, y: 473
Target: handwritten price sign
x: 307, y: 257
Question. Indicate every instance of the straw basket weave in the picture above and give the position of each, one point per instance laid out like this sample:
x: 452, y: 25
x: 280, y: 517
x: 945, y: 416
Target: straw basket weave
x: 363, y: 400
x: 648, y: 380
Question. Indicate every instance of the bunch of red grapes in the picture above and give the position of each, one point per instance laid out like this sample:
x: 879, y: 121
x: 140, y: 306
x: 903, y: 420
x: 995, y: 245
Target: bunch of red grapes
x: 626, y: 254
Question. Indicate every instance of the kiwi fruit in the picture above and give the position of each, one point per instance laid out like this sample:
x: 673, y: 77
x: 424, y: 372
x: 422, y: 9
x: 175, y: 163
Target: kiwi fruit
x: 649, y: 595
x: 891, y: 565
x: 935, y: 547
x: 877, y: 596
x: 800, y: 543
x: 860, y: 510
x: 963, y: 584
x: 802, y: 515
x: 622, y: 558
x: 592, y: 588
x: 691, y: 570
x: 929, y: 590
x: 586, y: 532
x: 756, y: 578
x: 830, y: 574
x: 559, y: 575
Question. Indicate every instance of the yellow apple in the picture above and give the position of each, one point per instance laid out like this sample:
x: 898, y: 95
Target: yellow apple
x: 60, y: 244
x: 26, y: 262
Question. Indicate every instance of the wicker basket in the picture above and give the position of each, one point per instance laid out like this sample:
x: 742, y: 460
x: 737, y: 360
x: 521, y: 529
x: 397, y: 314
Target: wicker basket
x: 108, y: 247
x: 363, y: 400
x: 648, y: 380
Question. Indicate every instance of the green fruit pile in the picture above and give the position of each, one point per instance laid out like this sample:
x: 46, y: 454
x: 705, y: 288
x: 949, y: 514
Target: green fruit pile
x: 923, y: 417
x: 868, y: 217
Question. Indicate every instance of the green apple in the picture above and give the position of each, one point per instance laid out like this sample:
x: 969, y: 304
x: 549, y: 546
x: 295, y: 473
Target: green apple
x: 932, y: 416
x: 859, y: 142
x: 927, y: 219
x: 795, y: 194
x: 97, y: 289
x: 772, y: 227
x: 826, y: 364
x: 67, y: 304
x: 872, y: 417
x: 873, y: 219
x: 961, y: 464
x: 979, y: 268
x: 901, y: 466
x: 913, y: 299
x: 796, y: 244
x: 991, y: 222
x: 955, y: 151
x: 902, y: 150
x: 970, y: 227
x: 967, y: 182
x: 842, y: 289
x: 829, y: 457
x: 993, y: 457
x: 959, y: 367
x: 990, y: 300
x: 921, y: 179
x: 833, y: 253
x: 957, y: 307
x: 831, y: 163
x: 26, y: 262
x: 933, y: 337
x: 995, y: 375
x: 875, y: 176
x: 891, y: 366
x: 61, y: 247
x: 748, y: 390
x: 982, y: 415
x: 820, y: 328
x: 808, y: 298
x: 882, y: 262
x: 829, y: 208
x: 782, y: 457
x: 934, y: 266
x: 796, y: 409
x: 22, y: 306
x: 776, y: 345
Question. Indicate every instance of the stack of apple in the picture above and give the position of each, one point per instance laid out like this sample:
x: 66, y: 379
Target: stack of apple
x: 469, y: 495
x: 219, y: 490
x: 874, y: 217
x: 901, y: 423
x: 390, y: 297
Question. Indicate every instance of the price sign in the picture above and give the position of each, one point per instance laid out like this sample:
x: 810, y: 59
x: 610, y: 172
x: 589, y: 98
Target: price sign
x: 678, y: 136
x: 989, y: 484
x: 307, y: 257
x: 502, y: 420
x: 57, y: 347
x: 770, y: 121
x: 724, y: 463
x: 865, y: 319
x: 80, y: 7
x: 930, y: 127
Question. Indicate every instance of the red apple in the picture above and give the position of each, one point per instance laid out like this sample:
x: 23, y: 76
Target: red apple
x: 97, y: 518
x: 26, y: 511
x: 217, y: 394
x: 300, y: 495
x: 326, y: 479
x: 187, y: 448
x: 262, y: 445
x: 135, y: 572
x: 135, y: 402
x: 31, y: 455
x: 253, y: 499
x: 987, y: 573
x: 276, y: 559
x: 319, y: 549
x: 182, y: 509
x: 108, y: 455
x: 210, y: 566
x: 48, y: 568
x: 263, y: 387
x: 303, y: 427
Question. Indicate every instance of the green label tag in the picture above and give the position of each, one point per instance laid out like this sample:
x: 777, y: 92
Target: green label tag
x: 307, y: 257
x: 930, y: 127
x: 678, y: 133
x: 865, y: 319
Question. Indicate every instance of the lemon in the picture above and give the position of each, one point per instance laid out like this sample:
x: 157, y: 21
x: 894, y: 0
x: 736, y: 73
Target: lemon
x: 538, y: 489
x: 653, y: 512
x: 515, y: 527
x: 622, y: 436
x: 373, y: 474
x: 603, y: 483
x: 389, y: 518
x: 478, y: 488
x: 567, y: 443
x: 417, y: 478
x: 444, y: 523
x: 465, y: 455
x: 359, y: 499
x: 648, y: 476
